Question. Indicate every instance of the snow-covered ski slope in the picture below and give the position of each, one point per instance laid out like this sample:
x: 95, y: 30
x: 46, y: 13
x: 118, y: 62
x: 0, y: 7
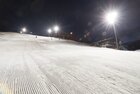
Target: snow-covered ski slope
x: 30, y: 65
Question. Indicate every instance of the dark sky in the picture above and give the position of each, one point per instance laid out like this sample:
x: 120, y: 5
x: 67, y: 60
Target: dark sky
x: 72, y: 15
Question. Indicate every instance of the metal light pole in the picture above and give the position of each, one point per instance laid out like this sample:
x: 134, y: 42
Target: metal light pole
x: 56, y: 29
x: 116, y: 37
x: 111, y: 18
x: 50, y: 32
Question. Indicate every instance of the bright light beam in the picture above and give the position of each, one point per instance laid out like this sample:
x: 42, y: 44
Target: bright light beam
x: 24, y: 29
x: 49, y: 31
x: 111, y: 17
x: 56, y: 29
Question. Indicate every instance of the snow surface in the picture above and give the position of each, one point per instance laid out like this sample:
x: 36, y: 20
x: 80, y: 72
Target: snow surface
x: 30, y: 65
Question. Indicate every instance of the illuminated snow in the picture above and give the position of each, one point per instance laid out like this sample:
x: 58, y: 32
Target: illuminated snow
x: 30, y: 65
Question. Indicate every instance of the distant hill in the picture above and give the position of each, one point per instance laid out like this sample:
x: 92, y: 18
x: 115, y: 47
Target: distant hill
x: 134, y: 45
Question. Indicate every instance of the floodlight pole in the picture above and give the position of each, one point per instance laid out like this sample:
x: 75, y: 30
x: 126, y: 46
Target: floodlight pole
x: 116, y: 37
x: 50, y: 33
x: 51, y: 36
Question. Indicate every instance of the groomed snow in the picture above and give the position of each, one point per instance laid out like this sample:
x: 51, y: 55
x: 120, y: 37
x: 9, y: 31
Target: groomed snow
x: 30, y: 65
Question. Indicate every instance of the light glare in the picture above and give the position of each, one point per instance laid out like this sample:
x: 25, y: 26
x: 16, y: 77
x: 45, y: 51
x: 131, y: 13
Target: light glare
x: 56, y: 29
x: 111, y: 17
x: 24, y: 29
x: 49, y: 31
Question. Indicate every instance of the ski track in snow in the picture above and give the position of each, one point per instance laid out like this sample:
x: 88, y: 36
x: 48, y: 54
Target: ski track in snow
x: 30, y: 65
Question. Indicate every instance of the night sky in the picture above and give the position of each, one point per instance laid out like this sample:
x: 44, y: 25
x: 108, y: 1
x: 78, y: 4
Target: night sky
x: 78, y: 16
